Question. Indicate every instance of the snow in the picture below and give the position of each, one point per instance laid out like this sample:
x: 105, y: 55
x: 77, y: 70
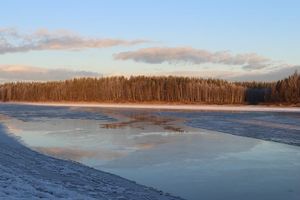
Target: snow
x: 249, y: 108
x: 26, y: 174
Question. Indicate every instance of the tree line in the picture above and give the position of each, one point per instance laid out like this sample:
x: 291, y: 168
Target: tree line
x: 162, y: 89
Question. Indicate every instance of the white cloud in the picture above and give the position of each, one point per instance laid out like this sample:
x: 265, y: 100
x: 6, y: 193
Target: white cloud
x: 221, y: 74
x: 11, y: 41
x: 10, y: 73
x: 271, y: 75
x: 186, y: 55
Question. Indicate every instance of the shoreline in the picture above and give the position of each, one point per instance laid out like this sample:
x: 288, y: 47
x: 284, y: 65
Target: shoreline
x: 187, y: 107
x: 30, y: 175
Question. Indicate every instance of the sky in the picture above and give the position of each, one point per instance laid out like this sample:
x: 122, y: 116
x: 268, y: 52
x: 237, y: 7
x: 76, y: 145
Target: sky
x: 233, y: 40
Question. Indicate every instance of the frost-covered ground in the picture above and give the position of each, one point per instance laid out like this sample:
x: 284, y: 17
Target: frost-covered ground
x: 26, y: 174
x: 174, y: 107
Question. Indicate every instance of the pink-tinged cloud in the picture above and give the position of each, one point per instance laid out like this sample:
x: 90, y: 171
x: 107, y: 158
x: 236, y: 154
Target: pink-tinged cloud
x: 10, y: 73
x: 11, y: 41
x: 157, y: 55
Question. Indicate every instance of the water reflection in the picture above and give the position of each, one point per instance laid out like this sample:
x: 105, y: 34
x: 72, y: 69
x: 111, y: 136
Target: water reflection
x: 138, y: 120
x: 79, y: 154
x: 195, y: 164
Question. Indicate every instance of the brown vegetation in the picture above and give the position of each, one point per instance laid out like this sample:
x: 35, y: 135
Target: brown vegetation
x: 155, y: 89
x: 165, y: 123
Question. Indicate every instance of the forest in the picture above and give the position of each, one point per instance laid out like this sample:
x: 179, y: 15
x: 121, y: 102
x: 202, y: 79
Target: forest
x: 153, y: 89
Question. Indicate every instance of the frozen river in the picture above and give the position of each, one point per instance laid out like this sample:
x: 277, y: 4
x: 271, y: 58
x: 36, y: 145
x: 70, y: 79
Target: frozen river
x: 196, y: 155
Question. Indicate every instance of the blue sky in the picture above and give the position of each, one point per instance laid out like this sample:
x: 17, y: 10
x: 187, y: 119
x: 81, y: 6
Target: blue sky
x: 268, y: 29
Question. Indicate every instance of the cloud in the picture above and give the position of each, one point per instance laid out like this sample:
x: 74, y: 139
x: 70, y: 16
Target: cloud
x: 12, y: 41
x: 277, y: 74
x: 220, y: 74
x: 28, y: 73
x: 157, y: 55
x: 271, y: 75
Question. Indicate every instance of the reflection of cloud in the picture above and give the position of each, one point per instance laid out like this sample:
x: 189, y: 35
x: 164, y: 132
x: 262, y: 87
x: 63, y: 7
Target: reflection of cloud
x: 161, y: 134
x: 157, y: 55
x: 78, y: 154
x: 12, y: 128
x: 11, y: 40
x: 3, y: 117
x: 29, y: 73
x: 145, y: 146
x: 195, y: 146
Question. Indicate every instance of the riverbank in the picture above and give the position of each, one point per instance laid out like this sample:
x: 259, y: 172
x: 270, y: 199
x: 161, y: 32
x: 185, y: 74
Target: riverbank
x: 246, y: 108
x: 26, y: 174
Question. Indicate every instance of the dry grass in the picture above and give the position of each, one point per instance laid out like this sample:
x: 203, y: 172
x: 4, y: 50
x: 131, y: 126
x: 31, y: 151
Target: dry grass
x: 134, y: 121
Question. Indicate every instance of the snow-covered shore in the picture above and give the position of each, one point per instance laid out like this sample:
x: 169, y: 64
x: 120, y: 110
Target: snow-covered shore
x: 26, y: 174
x: 248, y: 108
